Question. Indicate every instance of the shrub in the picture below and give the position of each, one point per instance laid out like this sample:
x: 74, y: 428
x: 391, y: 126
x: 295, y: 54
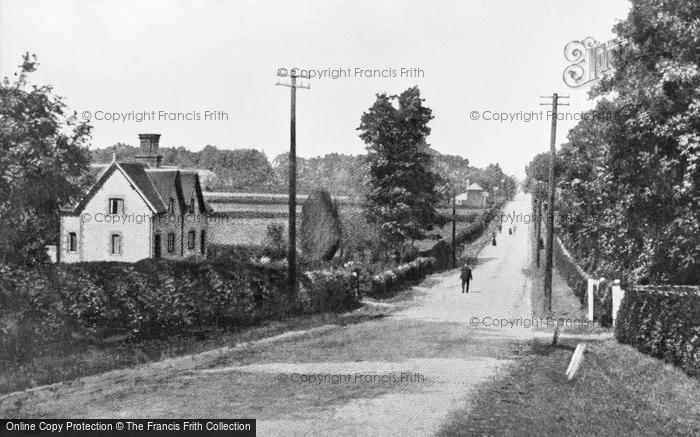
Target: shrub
x: 150, y: 299
x: 320, y: 226
x: 391, y: 280
x: 575, y: 277
x: 663, y: 321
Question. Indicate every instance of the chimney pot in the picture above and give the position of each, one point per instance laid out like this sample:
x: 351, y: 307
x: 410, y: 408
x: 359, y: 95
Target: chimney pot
x: 150, y: 148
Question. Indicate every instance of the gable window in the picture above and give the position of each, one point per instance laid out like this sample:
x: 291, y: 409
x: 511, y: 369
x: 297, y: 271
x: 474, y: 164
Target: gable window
x: 72, y: 242
x: 171, y: 205
x: 116, y: 205
x: 191, y: 207
x: 116, y: 244
x: 191, y: 236
x: 171, y: 242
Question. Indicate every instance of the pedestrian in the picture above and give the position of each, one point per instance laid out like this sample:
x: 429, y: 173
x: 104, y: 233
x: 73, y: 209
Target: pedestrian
x: 510, y: 231
x: 514, y: 228
x: 493, y: 240
x: 466, y: 276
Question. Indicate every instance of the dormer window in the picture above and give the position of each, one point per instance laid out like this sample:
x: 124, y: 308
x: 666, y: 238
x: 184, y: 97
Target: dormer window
x: 171, y: 206
x: 191, y: 207
x: 116, y: 205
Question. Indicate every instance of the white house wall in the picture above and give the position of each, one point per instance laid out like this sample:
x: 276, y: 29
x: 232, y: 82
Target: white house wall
x: 95, y: 226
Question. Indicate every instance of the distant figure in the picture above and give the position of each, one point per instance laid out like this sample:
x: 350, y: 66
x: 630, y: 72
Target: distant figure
x: 500, y: 228
x: 514, y: 228
x: 466, y: 276
x: 493, y: 241
x: 510, y: 231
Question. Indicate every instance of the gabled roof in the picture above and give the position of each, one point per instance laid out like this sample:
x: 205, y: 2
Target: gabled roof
x: 154, y: 185
x: 189, y: 180
x: 137, y: 172
x: 474, y: 187
x: 164, y: 181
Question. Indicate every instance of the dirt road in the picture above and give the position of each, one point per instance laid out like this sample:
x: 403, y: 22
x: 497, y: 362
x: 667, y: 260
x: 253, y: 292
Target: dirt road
x: 397, y: 375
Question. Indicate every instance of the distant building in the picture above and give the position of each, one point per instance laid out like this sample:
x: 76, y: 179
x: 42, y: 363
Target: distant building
x: 137, y: 210
x: 475, y: 196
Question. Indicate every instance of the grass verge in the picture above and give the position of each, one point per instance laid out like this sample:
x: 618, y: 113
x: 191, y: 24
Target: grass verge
x: 617, y: 391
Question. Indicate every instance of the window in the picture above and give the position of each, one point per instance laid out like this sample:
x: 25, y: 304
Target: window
x: 72, y: 242
x: 116, y: 244
x: 116, y: 206
x: 171, y: 242
x: 171, y: 205
x: 202, y: 242
x: 190, y: 240
x: 191, y: 207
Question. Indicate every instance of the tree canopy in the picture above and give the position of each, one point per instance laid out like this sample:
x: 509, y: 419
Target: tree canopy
x: 44, y: 163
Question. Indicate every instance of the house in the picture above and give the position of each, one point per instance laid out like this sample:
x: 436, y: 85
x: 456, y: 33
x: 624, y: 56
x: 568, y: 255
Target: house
x: 475, y: 196
x: 137, y: 210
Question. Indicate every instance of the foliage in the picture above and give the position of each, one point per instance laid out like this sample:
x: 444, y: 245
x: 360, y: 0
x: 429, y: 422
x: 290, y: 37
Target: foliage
x: 663, y: 322
x: 275, y: 239
x: 403, y: 195
x: 44, y: 163
x: 391, y: 280
x: 150, y: 299
x: 320, y: 226
x: 630, y: 182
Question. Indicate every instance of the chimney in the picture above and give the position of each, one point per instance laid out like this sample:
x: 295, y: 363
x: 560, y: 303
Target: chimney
x: 149, y: 149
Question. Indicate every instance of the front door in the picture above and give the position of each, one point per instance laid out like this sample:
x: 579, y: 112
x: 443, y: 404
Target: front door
x: 156, y: 246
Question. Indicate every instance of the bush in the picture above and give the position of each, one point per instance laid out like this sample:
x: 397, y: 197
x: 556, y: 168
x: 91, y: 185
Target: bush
x: 391, y: 280
x: 663, y: 321
x: 150, y: 299
x: 320, y: 226
x: 575, y: 277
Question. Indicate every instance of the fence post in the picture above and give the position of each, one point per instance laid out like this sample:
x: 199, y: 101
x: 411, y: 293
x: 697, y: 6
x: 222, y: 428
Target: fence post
x: 617, y: 295
x: 591, y: 284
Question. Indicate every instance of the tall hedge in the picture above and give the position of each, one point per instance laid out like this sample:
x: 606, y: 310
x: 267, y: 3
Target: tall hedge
x: 663, y: 321
x: 152, y: 298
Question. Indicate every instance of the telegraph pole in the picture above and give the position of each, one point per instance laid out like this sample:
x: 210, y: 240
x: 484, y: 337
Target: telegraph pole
x: 454, y: 227
x: 292, y: 254
x: 549, y: 249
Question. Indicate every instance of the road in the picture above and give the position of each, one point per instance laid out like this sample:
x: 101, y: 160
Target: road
x: 398, y: 375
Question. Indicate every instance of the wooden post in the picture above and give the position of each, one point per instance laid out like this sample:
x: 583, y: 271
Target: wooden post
x: 292, y: 253
x: 617, y: 295
x: 592, y: 284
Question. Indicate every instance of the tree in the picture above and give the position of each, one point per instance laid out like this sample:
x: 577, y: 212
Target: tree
x: 320, y: 226
x: 403, y: 195
x: 44, y: 163
x: 632, y: 174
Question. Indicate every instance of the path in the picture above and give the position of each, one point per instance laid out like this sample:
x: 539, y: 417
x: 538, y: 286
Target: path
x: 400, y: 375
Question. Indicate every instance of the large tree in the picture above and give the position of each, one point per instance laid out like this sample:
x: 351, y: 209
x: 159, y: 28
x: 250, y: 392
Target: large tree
x: 402, y: 196
x: 632, y: 177
x: 44, y: 163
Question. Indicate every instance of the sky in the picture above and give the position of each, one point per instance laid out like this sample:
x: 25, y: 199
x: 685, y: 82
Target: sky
x: 204, y: 72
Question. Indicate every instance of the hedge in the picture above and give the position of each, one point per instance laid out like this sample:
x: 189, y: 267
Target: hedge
x: 391, y: 280
x: 663, y: 321
x: 574, y: 276
x: 151, y: 299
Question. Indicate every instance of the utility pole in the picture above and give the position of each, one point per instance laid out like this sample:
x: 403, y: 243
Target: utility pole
x: 549, y: 249
x: 454, y: 227
x: 292, y: 254
x: 538, y: 220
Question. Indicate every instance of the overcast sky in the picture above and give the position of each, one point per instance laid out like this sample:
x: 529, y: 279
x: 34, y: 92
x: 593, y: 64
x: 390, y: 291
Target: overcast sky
x: 187, y: 56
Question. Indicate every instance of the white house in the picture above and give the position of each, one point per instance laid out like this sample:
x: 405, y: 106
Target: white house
x: 475, y: 196
x: 137, y: 210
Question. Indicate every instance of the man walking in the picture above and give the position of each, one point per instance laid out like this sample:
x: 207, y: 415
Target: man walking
x: 466, y: 276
